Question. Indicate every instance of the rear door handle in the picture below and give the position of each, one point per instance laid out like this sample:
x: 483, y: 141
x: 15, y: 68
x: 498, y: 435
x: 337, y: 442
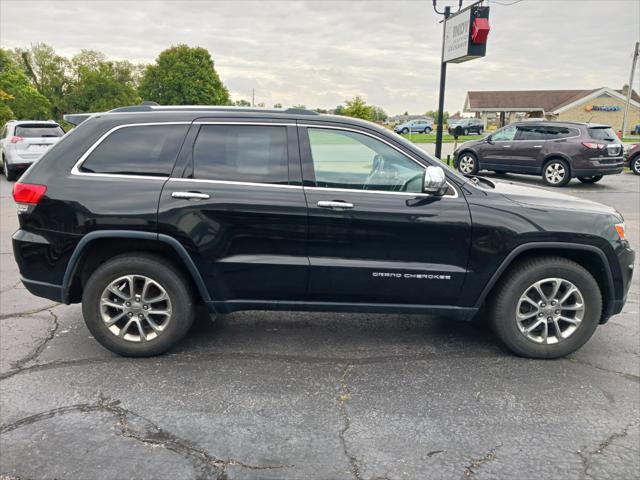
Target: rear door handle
x: 506, y: 146
x: 190, y: 195
x: 339, y: 205
x: 537, y: 146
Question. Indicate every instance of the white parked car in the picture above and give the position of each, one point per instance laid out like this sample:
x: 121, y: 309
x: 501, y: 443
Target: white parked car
x: 24, y: 141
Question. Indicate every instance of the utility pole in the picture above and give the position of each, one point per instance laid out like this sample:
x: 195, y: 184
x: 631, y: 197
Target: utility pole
x: 443, y: 76
x: 253, y: 97
x: 630, y: 89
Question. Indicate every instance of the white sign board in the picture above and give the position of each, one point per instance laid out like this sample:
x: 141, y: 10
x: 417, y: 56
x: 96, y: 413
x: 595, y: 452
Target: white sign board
x: 456, y: 35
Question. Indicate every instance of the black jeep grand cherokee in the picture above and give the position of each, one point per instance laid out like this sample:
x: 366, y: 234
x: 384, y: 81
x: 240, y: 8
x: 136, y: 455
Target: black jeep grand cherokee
x: 142, y: 212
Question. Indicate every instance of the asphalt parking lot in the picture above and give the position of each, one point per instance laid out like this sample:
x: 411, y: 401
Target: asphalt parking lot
x: 275, y: 395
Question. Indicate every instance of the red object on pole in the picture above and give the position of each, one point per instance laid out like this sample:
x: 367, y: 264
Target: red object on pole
x: 480, y: 30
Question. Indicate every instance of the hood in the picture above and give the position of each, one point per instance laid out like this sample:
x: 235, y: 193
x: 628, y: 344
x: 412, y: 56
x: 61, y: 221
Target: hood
x: 545, y: 199
x: 471, y: 143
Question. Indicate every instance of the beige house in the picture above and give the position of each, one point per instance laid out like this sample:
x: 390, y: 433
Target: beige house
x: 601, y: 105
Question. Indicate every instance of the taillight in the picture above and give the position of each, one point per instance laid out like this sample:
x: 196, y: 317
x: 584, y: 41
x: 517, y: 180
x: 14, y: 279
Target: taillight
x: 15, y: 139
x: 28, y: 193
x: 594, y: 146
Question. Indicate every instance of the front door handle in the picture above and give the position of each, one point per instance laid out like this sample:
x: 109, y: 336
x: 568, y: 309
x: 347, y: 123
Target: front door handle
x: 537, y: 146
x: 190, y: 195
x: 506, y: 146
x: 335, y: 205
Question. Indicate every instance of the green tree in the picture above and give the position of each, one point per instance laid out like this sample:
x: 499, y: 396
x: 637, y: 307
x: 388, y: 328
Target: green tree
x: 357, y: 107
x: 379, y: 115
x: 434, y: 114
x: 18, y: 98
x: 339, y: 110
x: 242, y: 103
x: 299, y: 106
x: 48, y: 73
x: 183, y: 76
x: 99, y: 84
x: 277, y: 105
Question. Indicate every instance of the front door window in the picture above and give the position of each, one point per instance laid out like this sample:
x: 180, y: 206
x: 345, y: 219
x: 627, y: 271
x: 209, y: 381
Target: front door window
x: 350, y: 160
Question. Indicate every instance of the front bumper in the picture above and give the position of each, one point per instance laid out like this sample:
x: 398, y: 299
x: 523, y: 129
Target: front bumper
x: 626, y: 258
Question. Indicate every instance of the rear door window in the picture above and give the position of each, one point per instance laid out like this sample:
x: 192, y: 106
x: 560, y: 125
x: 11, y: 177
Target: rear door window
x: 242, y: 153
x: 38, y: 131
x: 137, y: 150
x: 554, y: 133
x: 531, y: 132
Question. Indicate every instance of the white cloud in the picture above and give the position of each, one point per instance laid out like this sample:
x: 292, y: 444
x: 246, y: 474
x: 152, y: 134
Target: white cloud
x: 320, y: 53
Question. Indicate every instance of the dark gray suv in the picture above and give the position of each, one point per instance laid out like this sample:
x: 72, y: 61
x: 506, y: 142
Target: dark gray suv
x: 558, y: 151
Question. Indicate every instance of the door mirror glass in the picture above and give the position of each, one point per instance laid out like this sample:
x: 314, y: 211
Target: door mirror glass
x: 489, y: 139
x: 435, y: 181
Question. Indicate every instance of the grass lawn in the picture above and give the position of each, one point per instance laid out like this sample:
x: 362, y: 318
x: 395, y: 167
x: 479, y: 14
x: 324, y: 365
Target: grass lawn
x: 632, y: 139
x: 446, y: 138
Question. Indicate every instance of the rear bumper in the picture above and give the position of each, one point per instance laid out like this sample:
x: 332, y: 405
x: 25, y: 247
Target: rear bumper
x: 50, y: 291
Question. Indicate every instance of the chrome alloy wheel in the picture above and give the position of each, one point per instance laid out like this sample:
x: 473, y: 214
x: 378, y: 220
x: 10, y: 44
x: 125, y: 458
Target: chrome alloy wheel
x: 550, y: 310
x: 135, y: 308
x: 555, y: 173
x: 467, y: 164
x: 635, y: 165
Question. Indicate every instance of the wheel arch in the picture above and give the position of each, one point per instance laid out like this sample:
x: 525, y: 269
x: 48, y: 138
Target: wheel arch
x: 97, y: 247
x: 592, y: 258
x: 557, y: 156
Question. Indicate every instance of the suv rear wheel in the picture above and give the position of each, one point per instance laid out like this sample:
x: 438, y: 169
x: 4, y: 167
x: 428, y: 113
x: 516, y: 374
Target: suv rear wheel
x: 8, y: 172
x: 137, y: 305
x: 556, y: 173
x: 635, y: 164
x: 546, y: 307
x: 468, y: 164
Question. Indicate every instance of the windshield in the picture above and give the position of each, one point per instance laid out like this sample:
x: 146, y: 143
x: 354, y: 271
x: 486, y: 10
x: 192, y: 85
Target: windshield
x: 602, y: 133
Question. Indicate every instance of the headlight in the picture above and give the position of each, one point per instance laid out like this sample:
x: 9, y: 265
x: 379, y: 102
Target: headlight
x: 621, y: 230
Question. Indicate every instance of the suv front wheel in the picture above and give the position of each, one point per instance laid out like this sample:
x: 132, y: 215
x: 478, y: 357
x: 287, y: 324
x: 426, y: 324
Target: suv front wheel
x: 468, y: 164
x: 546, y: 307
x: 556, y: 173
x: 137, y: 305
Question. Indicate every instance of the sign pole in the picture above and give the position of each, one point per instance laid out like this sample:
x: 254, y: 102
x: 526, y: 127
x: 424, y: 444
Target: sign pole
x: 443, y: 78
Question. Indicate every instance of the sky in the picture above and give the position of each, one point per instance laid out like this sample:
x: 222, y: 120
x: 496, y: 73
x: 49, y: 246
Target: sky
x: 320, y: 53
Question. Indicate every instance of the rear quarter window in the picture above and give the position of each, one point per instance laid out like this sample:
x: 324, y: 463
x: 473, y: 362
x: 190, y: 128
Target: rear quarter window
x: 600, y: 133
x: 137, y: 150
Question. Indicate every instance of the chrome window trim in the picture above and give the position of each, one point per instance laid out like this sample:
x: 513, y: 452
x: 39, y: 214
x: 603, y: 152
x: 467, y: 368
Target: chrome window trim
x: 75, y: 170
x: 410, y: 157
x: 232, y: 182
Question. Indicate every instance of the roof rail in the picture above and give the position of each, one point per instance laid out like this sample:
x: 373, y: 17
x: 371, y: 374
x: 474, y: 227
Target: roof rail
x: 150, y: 107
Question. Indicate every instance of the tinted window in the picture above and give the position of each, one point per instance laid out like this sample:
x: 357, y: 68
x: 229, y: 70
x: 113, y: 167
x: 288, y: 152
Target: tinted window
x: 602, y: 133
x: 38, y: 131
x: 529, y: 132
x: 140, y: 150
x: 506, y: 134
x: 242, y: 153
x: 343, y: 159
x: 560, y: 132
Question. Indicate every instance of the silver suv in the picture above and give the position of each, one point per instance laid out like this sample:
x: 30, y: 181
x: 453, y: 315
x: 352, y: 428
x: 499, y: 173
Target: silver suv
x: 24, y: 141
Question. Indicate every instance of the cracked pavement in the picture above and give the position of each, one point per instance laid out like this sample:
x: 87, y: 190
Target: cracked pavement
x: 286, y: 395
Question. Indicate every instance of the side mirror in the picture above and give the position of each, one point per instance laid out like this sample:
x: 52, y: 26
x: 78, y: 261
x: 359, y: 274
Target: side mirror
x: 435, y: 181
x: 489, y: 139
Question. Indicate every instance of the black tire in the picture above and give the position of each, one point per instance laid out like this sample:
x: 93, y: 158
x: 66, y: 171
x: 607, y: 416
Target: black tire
x: 594, y: 179
x: 505, y: 298
x: 480, y: 130
x: 9, y: 172
x: 463, y: 160
x: 160, y: 271
x: 404, y: 131
x: 561, y: 164
x: 427, y: 131
x: 634, y: 164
